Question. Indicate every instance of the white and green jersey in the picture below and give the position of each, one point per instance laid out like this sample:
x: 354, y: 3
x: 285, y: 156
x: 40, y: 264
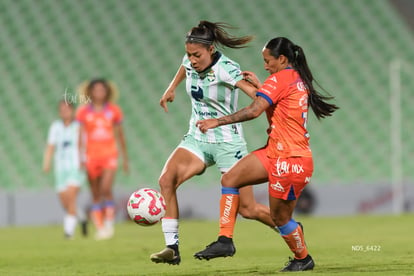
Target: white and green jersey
x: 65, y: 139
x: 213, y: 94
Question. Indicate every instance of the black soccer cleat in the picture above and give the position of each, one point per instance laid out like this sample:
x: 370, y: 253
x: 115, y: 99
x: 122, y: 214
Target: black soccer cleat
x: 223, y: 247
x: 84, y: 228
x: 299, y: 265
x: 169, y: 255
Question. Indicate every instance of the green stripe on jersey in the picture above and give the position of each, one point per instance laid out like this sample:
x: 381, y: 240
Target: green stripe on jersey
x: 213, y: 94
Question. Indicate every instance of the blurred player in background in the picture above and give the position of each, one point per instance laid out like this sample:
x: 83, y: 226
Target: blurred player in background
x: 286, y: 160
x: 62, y: 146
x: 212, y: 82
x: 100, y: 131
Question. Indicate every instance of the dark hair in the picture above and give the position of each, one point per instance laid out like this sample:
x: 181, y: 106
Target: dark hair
x: 94, y: 82
x: 209, y: 33
x: 295, y: 55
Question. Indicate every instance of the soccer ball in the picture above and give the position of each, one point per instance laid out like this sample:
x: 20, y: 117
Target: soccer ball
x: 146, y: 206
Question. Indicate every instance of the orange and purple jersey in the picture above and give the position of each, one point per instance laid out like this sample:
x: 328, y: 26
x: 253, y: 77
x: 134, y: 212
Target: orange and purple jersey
x: 99, y: 128
x: 287, y: 114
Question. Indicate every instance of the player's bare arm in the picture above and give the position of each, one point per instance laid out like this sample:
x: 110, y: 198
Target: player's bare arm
x: 47, y: 159
x: 257, y: 107
x: 247, y: 88
x: 169, y: 93
x: 82, y: 147
x: 122, y: 142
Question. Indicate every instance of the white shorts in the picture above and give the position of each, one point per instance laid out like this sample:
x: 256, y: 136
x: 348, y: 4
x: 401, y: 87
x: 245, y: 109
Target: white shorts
x: 224, y: 154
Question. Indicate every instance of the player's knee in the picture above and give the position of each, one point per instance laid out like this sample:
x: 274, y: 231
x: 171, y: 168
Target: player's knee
x: 227, y: 180
x: 106, y: 192
x: 167, y: 183
x: 71, y: 210
x: 279, y: 218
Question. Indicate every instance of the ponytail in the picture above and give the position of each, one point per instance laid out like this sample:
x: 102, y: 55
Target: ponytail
x: 317, y: 101
x: 295, y: 55
x: 210, y: 33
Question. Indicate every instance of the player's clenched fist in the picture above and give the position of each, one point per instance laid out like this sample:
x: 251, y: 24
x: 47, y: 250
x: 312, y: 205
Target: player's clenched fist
x: 205, y: 125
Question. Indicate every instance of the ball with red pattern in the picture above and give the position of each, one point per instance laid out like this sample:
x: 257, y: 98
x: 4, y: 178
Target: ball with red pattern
x: 146, y: 206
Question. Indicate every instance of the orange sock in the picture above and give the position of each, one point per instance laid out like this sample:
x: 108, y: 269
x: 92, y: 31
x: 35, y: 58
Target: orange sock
x: 229, y: 206
x: 296, y: 242
x: 97, y: 216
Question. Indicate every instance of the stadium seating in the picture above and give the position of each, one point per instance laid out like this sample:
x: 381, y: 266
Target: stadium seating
x: 48, y: 47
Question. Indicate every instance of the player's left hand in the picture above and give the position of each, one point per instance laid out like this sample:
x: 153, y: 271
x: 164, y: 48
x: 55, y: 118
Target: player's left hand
x: 205, y: 125
x: 252, y: 78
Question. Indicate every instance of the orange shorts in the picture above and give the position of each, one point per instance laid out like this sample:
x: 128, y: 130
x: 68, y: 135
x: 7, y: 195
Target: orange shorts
x: 95, y: 166
x: 287, y: 176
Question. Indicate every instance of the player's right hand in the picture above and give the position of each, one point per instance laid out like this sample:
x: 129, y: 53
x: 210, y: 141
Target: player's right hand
x: 168, y: 96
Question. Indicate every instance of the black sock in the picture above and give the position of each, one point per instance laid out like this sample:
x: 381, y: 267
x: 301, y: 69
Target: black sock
x: 174, y: 247
x: 224, y: 239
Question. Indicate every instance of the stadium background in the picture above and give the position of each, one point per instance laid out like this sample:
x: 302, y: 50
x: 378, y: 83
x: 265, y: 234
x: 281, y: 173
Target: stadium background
x: 49, y: 47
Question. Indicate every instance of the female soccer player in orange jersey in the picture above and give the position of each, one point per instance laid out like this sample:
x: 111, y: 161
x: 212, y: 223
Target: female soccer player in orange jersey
x: 286, y: 160
x: 212, y: 82
x: 100, y: 131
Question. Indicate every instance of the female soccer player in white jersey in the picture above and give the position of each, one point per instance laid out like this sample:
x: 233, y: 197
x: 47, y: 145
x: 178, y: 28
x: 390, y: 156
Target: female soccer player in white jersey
x: 212, y: 82
x: 62, y: 144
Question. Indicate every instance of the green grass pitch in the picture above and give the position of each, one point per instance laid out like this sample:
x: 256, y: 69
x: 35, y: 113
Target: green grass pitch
x: 361, y: 245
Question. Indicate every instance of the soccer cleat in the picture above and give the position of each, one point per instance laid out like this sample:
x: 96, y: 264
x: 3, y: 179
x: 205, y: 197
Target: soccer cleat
x: 299, y: 265
x: 84, y: 228
x: 169, y: 255
x: 223, y: 247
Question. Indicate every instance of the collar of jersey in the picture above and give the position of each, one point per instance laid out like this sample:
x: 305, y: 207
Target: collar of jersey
x: 216, y: 57
x: 90, y: 107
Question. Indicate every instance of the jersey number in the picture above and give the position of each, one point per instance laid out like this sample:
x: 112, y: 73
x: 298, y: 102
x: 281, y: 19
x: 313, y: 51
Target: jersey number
x: 197, y: 93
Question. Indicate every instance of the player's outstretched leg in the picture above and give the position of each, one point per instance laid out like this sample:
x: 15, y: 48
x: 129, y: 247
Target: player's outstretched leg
x: 180, y: 166
x: 170, y: 254
x: 296, y: 242
x: 224, y: 246
x: 292, y: 233
x: 249, y: 170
